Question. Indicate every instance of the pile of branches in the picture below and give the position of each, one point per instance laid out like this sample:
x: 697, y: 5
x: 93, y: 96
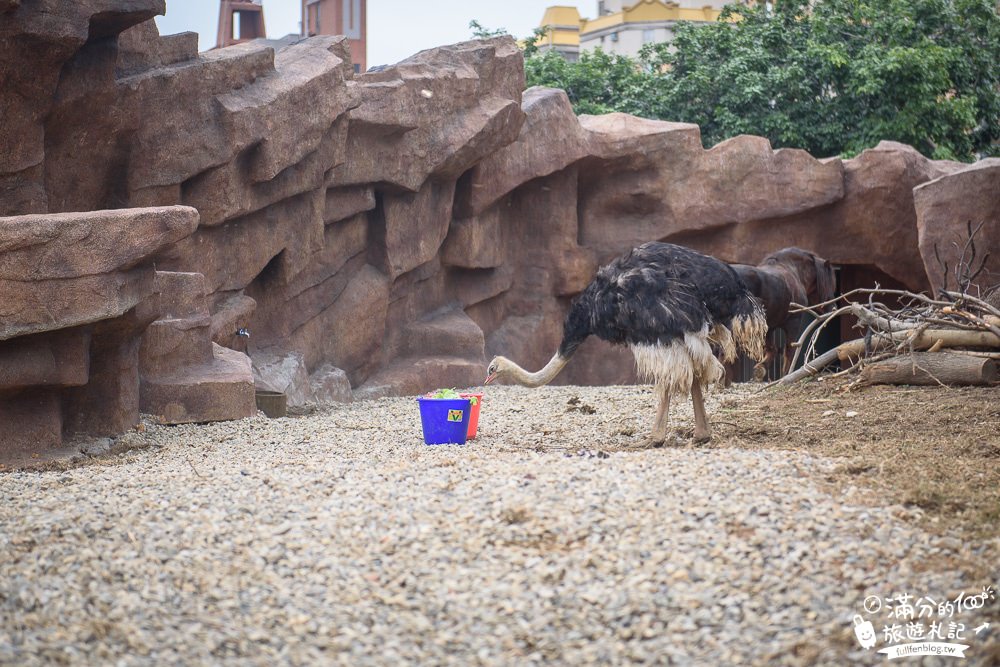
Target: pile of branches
x: 953, y: 338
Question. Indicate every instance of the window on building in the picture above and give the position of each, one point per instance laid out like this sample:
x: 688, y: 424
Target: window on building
x: 312, y: 20
x: 648, y: 35
x: 351, y: 13
x: 614, y: 37
x: 357, y: 68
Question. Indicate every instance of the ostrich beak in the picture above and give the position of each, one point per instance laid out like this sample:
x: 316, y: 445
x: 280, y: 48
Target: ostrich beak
x: 490, y: 378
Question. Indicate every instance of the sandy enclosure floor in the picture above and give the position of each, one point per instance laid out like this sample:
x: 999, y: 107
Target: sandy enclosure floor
x: 338, y: 537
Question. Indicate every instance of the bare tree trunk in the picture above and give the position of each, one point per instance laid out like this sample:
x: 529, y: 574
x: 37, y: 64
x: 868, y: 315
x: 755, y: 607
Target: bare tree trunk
x: 931, y: 368
x: 850, y: 351
x: 813, y: 367
x: 952, y: 338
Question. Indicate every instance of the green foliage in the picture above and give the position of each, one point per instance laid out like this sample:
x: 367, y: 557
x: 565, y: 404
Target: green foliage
x: 479, y: 31
x: 832, y: 76
x: 598, y: 83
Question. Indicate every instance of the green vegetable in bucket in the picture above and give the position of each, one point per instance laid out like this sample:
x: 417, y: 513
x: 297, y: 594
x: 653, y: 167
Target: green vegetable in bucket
x: 450, y: 393
x: 444, y: 393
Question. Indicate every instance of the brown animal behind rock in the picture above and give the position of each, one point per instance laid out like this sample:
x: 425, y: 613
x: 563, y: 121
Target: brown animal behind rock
x: 790, y: 275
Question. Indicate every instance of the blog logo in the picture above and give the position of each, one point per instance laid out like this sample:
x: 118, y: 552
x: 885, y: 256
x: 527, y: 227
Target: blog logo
x: 911, y: 626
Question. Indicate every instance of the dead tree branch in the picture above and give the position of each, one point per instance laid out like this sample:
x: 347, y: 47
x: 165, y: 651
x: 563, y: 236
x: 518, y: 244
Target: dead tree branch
x: 952, y: 334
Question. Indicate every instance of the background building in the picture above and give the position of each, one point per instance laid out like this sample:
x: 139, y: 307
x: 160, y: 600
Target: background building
x: 339, y: 17
x: 239, y: 21
x: 621, y: 27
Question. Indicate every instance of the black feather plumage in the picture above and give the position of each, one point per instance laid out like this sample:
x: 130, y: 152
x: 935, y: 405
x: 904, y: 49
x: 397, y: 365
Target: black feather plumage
x: 655, y: 294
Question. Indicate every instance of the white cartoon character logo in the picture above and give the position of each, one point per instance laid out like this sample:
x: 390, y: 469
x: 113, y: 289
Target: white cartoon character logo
x: 864, y: 631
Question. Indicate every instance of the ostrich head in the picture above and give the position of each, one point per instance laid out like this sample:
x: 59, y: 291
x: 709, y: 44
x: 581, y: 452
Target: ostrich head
x: 499, y: 367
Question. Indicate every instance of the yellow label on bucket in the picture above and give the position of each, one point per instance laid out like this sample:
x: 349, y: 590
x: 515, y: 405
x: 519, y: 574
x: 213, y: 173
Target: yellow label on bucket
x: 455, y: 415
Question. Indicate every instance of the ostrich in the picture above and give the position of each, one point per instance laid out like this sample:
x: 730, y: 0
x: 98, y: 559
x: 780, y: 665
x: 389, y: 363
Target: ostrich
x: 671, y: 306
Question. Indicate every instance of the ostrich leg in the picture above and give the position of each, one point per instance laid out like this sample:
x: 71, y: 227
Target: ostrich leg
x: 702, y: 431
x: 659, y: 433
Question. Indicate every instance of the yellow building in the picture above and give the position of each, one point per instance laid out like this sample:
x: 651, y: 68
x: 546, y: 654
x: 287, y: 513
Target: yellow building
x: 618, y: 28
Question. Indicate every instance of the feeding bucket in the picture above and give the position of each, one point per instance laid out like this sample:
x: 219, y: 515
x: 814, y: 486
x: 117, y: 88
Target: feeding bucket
x: 445, y: 420
x: 274, y: 404
x: 476, y: 401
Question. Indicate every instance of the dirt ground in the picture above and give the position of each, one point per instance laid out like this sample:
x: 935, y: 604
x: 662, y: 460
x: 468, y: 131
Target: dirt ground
x: 936, y: 449
x: 932, y: 448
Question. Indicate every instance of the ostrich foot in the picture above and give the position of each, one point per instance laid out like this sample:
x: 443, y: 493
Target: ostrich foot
x: 693, y: 436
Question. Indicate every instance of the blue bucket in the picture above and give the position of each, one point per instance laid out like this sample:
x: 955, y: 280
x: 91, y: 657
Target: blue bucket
x: 445, y: 420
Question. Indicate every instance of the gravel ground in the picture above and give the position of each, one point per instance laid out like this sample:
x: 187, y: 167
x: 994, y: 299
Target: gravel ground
x: 338, y: 537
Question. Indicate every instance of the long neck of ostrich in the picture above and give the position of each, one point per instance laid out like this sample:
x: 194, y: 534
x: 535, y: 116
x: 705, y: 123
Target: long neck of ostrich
x: 542, y: 377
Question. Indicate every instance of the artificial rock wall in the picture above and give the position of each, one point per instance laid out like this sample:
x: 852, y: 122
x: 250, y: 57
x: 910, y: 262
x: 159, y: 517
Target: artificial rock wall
x: 376, y: 234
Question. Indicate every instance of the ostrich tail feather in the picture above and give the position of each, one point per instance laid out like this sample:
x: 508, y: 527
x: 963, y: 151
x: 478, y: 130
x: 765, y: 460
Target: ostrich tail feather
x: 750, y: 331
x: 723, y: 340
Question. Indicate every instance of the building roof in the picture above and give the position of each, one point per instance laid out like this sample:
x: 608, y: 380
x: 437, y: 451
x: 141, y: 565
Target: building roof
x: 648, y: 11
x: 562, y: 16
x: 567, y: 28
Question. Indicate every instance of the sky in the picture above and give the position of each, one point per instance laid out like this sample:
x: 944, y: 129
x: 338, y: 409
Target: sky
x: 396, y: 28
